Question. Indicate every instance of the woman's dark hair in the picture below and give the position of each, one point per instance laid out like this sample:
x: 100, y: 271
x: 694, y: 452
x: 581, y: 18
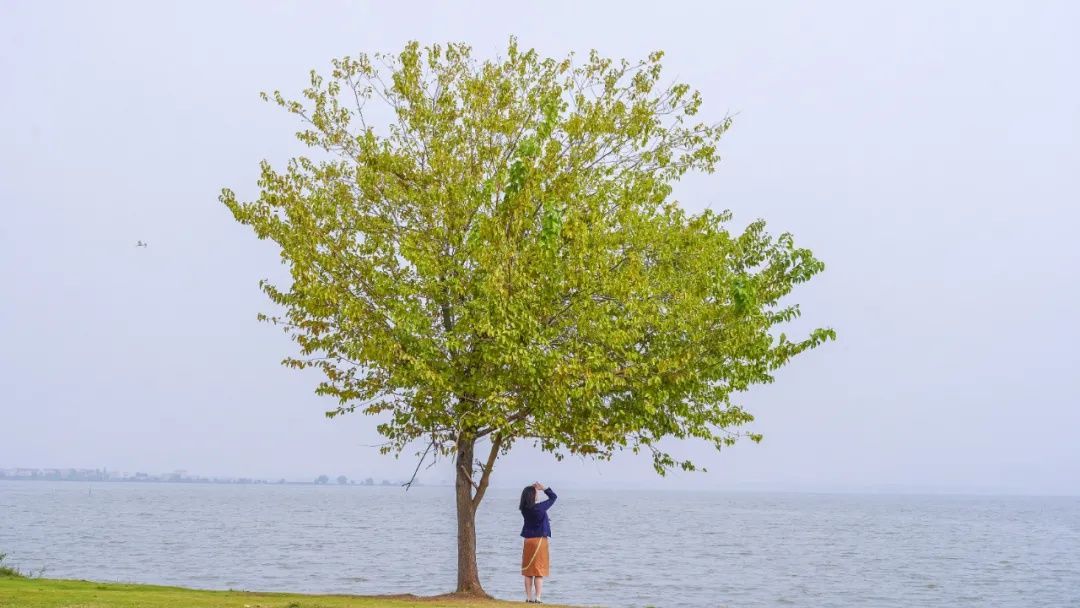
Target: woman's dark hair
x: 528, y: 498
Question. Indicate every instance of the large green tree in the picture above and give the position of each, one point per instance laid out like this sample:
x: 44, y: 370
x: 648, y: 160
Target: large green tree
x: 487, y: 252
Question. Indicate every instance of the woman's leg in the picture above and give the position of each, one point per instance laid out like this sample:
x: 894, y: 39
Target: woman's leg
x: 528, y: 588
x: 538, y: 582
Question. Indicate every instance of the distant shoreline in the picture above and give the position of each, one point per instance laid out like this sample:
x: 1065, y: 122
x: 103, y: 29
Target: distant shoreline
x: 182, y: 476
x: 210, y: 482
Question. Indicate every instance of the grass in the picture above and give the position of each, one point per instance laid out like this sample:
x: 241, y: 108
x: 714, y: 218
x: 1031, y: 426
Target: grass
x: 8, y: 571
x: 20, y: 592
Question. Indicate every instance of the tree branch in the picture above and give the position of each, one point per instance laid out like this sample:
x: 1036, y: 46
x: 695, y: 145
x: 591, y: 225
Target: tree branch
x: 468, y: 475
x: 496, y: 445
x: 408, y: 484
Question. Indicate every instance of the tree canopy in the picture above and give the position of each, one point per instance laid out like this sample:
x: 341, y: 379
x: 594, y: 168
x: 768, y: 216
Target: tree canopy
x: 500, y: 256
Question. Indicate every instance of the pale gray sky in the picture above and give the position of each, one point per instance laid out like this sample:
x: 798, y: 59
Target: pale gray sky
x: 927, y: 151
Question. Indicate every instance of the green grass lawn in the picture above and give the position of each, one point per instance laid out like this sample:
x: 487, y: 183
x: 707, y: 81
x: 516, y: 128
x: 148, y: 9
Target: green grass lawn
x: 48, y: 593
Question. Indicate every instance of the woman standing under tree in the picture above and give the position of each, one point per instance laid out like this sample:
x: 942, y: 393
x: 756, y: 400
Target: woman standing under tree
x: 535, y: 561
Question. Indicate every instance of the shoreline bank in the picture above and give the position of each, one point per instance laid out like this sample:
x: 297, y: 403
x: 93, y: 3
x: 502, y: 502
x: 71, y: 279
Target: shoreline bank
x: 58, y: 593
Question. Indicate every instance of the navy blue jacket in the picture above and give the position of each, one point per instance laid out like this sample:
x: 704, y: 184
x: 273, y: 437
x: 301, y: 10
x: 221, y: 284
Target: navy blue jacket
x: 536, y: 517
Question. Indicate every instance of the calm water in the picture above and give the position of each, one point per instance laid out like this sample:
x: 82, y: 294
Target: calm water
x: 610, y: 548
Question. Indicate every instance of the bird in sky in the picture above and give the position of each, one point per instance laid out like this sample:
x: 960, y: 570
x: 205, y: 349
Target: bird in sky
x: 140, y: 244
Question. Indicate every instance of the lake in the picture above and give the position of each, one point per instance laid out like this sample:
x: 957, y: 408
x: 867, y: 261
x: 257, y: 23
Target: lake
x: 612, y: 548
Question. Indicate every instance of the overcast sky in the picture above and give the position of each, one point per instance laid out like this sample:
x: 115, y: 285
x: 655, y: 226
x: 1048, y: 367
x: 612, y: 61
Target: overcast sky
x: 926, y: 151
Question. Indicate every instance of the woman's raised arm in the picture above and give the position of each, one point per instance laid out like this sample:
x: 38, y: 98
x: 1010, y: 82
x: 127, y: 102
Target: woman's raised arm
x: 544, y: 506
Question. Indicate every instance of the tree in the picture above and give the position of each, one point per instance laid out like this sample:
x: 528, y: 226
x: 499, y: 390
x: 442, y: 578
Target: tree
x: 501, y: 261
x: 342, y: 480
x: 321, y: 479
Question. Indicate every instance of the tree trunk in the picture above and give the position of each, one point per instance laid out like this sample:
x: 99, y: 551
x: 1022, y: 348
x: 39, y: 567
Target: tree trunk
x: 468, y: 577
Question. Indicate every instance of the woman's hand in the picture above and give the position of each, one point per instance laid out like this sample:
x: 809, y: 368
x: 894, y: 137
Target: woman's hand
x: 539, y: 486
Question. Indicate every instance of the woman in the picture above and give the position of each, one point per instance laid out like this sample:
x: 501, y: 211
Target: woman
x: 536, y: 531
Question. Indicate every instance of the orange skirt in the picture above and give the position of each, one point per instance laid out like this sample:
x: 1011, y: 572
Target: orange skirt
x: 535, y: 560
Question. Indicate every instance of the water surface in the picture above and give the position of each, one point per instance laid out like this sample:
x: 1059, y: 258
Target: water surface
x: 626, y: 548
